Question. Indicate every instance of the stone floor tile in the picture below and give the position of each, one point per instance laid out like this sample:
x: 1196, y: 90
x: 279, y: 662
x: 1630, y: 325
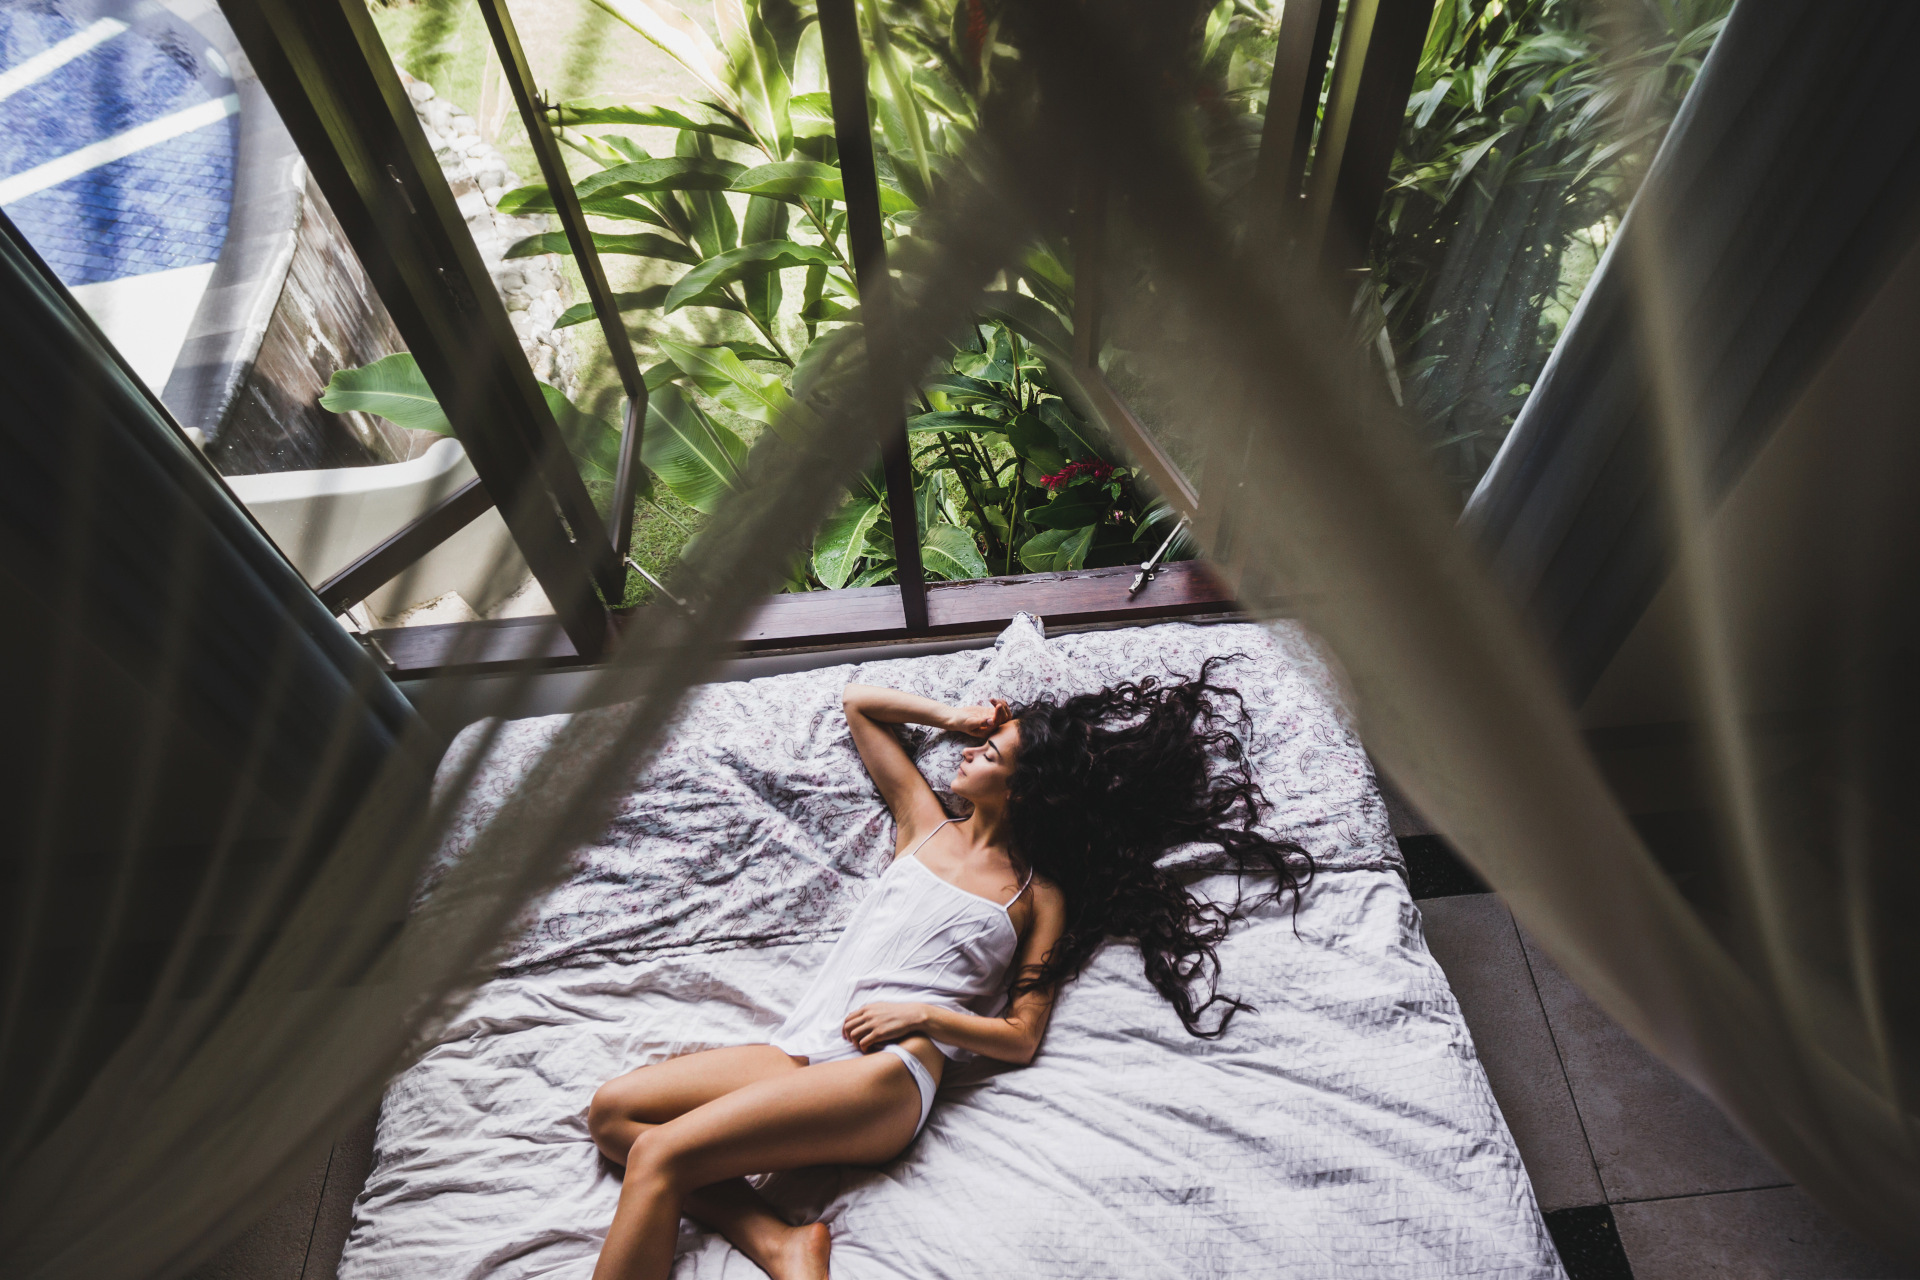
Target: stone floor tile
x: 346, y: 1175
x: 1777, y: 1234
x: 1401, y: 814
x: 1652, y: 1134
x: 275, y: 1247
x: 1474, y: 939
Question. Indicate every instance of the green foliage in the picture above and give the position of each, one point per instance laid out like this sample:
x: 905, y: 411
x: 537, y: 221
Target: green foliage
x: 749, y: 218
x: 1530, y: 125
x: 392, y: 388
x: 990, y: 428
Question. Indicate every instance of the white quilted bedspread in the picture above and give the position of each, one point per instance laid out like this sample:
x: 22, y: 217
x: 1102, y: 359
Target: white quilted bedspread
x: 1343, y: 1131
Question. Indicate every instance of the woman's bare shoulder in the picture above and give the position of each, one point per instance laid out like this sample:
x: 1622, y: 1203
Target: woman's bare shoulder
x: 1048, y: 902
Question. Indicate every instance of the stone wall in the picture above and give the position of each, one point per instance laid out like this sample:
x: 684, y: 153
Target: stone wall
x: 327, y: 317
x: 534, y: 289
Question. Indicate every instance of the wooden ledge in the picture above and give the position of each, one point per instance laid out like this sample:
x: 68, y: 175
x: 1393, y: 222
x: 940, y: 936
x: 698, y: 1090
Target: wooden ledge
x: 823, y: 619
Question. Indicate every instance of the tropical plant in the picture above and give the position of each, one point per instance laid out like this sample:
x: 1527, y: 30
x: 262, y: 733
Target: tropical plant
x: 1010, y: 475
x: 1529, y: 126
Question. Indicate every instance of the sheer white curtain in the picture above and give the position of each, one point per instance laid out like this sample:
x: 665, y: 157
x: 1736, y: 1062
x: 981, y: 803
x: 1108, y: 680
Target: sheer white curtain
x: 1803, y: 1033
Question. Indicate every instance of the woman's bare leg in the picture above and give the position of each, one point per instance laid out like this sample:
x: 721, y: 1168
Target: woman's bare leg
x: 861, y: 1111
x: 648, y: 1096
x: 628, y: 1105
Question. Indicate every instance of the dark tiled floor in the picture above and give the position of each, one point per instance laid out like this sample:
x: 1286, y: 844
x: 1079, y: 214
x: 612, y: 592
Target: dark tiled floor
x: 1642, y: 1177
x: 301, y: 1237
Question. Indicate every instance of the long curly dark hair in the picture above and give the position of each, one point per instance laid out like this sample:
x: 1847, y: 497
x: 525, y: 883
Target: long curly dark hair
x: 1106, y: 783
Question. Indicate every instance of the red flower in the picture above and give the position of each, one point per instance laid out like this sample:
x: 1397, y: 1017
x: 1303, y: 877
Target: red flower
x: 975, y: 40
x: 1099, y: 472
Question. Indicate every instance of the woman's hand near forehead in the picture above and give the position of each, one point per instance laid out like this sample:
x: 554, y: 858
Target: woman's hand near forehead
x: 980, y: 722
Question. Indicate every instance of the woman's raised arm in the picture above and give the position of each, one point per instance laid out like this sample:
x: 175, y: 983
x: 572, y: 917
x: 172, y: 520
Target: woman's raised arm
x: 869, y: 709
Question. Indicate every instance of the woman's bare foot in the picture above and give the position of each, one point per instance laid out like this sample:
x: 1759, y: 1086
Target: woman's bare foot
x: 803, y: 1254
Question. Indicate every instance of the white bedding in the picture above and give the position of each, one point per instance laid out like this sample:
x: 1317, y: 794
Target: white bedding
x: 1345, y: 1129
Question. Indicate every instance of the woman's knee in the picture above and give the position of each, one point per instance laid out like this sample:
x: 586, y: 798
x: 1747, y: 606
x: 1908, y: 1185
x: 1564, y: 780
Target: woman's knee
x: 654, y: 1157
x: 607, y: 1109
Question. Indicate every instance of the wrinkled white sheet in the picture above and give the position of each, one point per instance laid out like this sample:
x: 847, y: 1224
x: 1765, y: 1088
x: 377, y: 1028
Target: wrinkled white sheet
x: 1344, y: 1130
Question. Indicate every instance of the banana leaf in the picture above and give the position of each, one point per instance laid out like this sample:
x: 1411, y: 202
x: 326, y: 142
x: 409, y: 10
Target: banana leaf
x: 811, y: 180
x: 643, y: 244
x: 1056, y: 550
x: 842, y: 541
x: 697, y: 458
x: 392, y: 388
x: 723, y: 269
x: 950, y: 552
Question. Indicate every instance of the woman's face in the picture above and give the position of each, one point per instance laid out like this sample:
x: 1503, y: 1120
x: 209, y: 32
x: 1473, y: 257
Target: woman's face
x: 986, y: 767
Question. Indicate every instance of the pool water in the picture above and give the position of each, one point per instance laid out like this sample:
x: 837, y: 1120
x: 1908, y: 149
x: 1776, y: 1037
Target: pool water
x: 118, y: 135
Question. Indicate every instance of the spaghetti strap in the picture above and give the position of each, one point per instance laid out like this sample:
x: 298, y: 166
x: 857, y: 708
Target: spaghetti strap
x: 1023, y: 888
x: 923, y: 839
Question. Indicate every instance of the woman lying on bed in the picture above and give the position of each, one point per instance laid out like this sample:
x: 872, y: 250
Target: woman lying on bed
x: 1072, y: 806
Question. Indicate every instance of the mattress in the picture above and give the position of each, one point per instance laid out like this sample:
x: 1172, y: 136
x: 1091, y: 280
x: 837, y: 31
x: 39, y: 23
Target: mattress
x: 1343, y: 1128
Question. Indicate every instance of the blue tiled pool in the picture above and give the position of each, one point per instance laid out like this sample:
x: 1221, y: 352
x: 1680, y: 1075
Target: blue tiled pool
x: 118, y: 134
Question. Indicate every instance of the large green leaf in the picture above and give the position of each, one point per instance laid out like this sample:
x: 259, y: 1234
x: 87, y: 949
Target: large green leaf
x: 643, y: 244
x: 812, y: 113
x: 1074, y: 435
x: 535, y: 198
x: 713, y: 226
x: 697, y: 458
x: 646, y: 113
x: 842, y: 541
x: 723, y: 269
x: 680, y: 38
x: 766, y: 222
x: 593, y: 441
x: 393, y: 388
x: 1032, y: 319
x: 647, y: 299
x: 754, y: 71
x: 954, y: 420
x: 1034, y: 440
x: 1056, y: 550
x: 718, y: 372
x: 951, y: 552
x: 1072, y: 510
x: 811, y: 180
x: 668, y: 173
x: 891, y: 81
x: 959, y: 385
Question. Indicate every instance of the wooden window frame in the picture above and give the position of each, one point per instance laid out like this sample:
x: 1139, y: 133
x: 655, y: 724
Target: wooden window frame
x: 325, y: 68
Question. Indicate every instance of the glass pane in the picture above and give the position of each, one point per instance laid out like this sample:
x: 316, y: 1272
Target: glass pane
x: 1530, y: 126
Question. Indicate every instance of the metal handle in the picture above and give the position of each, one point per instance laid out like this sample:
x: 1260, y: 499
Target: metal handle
x: 1152, y: 565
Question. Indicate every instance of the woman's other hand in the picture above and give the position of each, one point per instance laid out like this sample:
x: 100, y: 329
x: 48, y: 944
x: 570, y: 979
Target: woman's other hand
x: 980, y: 722
x: 873, y: 1025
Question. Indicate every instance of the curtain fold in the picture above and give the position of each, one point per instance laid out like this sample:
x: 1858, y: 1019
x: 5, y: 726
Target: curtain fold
x: 264, y: 787
x: 1787, y: 183
x: 178, y: 688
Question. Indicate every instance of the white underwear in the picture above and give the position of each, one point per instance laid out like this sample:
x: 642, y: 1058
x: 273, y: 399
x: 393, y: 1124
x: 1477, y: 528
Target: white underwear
x: 922, y: 1078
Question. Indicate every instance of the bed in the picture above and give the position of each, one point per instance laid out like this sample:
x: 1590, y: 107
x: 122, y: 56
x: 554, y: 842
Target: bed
x: 1343, y: 1130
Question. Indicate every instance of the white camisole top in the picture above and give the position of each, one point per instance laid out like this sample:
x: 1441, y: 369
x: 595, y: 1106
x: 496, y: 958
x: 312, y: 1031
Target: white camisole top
x: 915, y: 938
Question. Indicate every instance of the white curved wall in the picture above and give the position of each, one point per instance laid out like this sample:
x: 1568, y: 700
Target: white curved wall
x: 324, y: 520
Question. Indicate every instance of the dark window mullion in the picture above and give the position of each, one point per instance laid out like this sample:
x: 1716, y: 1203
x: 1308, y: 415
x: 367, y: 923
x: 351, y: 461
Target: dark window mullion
x: 334, y: 86
x: 847, y: 85
x: 573, y: 220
